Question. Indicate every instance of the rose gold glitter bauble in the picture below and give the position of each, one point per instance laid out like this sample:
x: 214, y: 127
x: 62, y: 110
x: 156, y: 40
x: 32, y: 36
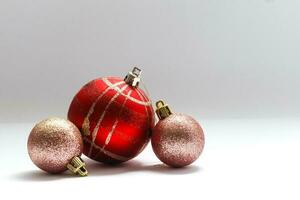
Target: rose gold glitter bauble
x: 177, y: 139
x: 53, y: 143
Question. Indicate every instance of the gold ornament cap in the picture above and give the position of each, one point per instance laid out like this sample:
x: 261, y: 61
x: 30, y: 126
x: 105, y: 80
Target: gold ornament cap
x: 162, y: 109
x: 133, y: 77
x: 77, y: 166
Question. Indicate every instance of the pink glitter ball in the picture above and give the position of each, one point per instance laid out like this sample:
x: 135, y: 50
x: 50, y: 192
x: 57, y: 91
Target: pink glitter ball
x: 53, y: 143
x: 177, y: 140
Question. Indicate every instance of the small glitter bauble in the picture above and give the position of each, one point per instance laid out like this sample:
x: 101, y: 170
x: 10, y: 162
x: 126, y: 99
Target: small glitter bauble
x: 115, y: 117
x: 54, y: 145
x: 177, y: 139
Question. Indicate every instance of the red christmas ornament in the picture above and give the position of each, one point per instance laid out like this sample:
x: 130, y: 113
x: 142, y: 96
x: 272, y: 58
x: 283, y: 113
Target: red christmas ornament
x: 114, y: 116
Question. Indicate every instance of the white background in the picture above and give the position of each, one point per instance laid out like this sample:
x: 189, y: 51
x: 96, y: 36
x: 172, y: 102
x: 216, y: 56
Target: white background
x: 215, y: 59
x: 233, y: 65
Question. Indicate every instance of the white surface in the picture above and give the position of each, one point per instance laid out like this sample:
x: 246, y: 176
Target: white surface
x: 242, y: 159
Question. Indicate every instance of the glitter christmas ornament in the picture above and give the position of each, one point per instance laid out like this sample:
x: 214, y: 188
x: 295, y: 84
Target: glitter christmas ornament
x: 114, y: 116
x: 177, y: 139
x: 54, y: 145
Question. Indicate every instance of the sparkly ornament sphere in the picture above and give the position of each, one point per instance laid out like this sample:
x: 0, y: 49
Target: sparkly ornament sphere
x: 53, y: 145
x: 177, y: 139
x: 114, y: 116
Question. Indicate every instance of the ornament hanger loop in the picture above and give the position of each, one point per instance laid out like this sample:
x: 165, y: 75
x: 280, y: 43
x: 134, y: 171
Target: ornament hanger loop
x: 133, y: 77
x: 162, y: 109
x: 77, y: 166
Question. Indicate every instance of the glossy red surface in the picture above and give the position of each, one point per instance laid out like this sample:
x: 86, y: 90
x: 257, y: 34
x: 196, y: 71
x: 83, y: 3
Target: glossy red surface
x: 114, y: 118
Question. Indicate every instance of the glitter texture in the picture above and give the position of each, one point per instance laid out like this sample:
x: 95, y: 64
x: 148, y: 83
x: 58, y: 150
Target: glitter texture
x: 52, y: 144
x: 177, y: 140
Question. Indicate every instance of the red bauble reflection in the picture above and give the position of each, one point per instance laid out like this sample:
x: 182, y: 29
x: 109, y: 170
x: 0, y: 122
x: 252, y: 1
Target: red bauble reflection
x: 114, y: 118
